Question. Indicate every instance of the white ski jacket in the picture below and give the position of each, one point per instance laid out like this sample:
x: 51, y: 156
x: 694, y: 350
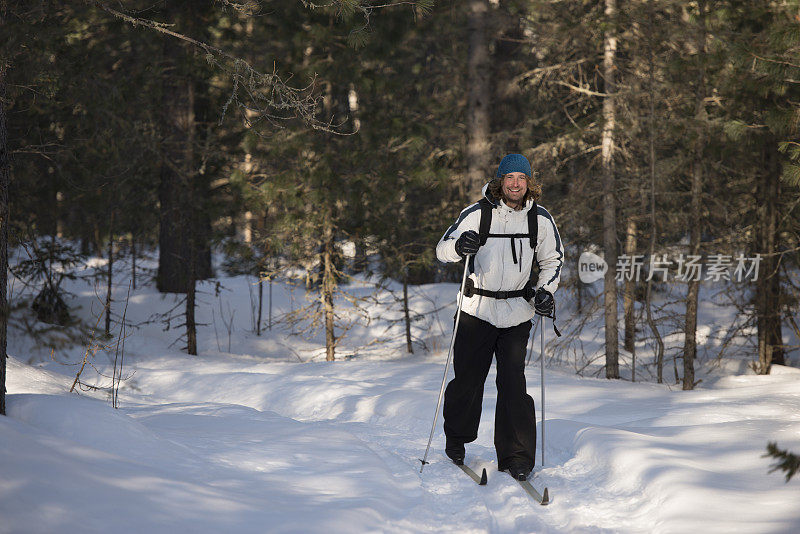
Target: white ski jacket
x: 497, y: 268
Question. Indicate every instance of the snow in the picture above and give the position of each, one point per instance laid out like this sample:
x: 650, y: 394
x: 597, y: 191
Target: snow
x: 267, y: 437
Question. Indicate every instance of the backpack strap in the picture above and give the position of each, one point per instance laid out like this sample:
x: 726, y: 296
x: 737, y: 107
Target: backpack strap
x: 533, y: 225
x: 533, y: 233
x: 486, y: 220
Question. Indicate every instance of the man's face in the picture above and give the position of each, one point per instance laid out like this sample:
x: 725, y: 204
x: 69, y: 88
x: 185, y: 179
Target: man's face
x: 515, y: 185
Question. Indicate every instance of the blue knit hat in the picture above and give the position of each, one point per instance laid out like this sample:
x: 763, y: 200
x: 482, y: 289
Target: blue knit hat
x: 514, y: 163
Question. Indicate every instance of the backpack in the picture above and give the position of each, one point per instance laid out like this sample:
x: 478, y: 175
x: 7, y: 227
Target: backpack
x: 484, y: 234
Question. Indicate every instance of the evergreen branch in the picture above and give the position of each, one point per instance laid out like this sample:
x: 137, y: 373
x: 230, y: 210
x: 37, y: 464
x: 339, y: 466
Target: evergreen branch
x: 160, y: 27
x: 344, y: 4
x: 787, y: 462
x: 249, y: 7
x: 778, y: 61
x: 582, y: 90
x: 791, y: 174
x: 543, y: 70
x: 423, y: 5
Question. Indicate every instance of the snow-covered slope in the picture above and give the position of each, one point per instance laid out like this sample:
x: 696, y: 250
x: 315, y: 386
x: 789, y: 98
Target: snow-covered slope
x: 257, y: 441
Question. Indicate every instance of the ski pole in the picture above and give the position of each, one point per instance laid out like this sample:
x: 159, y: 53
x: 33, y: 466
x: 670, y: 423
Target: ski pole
x: 542, y: 385
x: 447, y: 364
x: 533, y: 341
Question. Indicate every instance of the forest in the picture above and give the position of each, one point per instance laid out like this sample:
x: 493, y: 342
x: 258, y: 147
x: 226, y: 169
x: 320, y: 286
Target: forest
x: 277, y: 132
x: 280, y: 133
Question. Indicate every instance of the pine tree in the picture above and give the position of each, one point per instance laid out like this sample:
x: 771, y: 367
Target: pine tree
x: 698, y: 178
x: 762, y: 92
x: 5, y: 174
x: 609, y: 190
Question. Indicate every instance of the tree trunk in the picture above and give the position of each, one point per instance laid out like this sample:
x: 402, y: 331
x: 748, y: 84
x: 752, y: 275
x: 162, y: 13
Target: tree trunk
x: 269, y: 314
x: 578, y: 287
x: 133, y: 261
x: 176, y: 169
x: 768, y: 290
x: 478, y: 101
x: 406, y: 314
x: 173, y: 255
x: 267, y: 265
x: 328, y: 285
x: 191, y: 232
x: 360, y: 261
x: 47, y: 212
x: 98, y: 242
x: 609, y: 202
x: 629, y: 293
x: 110, y: 271
x: 60, y: 215
x: 653, y: 221
x: 690, y: 334
x: 260, y: 303
x: 5, y: 172
x: 191, y: 326
x: 695, y: 222
x: 248, y: 226
x: 183, y: 225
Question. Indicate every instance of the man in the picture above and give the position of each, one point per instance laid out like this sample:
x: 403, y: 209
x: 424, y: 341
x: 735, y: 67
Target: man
x: 500, y: 299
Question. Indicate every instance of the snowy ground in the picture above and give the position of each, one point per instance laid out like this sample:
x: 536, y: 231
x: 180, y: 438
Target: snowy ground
x: 265, y: 437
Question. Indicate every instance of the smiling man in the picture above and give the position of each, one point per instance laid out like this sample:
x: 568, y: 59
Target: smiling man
x: 503, y: 236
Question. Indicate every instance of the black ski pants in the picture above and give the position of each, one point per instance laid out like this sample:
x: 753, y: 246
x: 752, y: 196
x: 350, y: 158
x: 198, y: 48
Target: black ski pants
x: 515, y: 419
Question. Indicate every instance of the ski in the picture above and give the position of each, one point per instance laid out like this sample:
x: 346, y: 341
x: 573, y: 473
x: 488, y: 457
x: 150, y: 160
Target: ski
x: 480, y: 480
x: 541, y: 498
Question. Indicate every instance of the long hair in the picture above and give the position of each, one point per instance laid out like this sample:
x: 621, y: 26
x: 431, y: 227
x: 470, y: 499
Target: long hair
x: 534, y: 191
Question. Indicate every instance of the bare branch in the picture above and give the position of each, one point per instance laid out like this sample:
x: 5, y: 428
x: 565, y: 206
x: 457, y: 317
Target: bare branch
x: 259, y: 96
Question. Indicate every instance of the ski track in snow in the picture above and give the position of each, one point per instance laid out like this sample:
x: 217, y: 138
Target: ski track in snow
x: 236, y: 443
x: 275, y: 447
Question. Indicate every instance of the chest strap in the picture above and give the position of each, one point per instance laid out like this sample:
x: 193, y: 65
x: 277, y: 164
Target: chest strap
x: 527, y: 292
x: 486, y: 223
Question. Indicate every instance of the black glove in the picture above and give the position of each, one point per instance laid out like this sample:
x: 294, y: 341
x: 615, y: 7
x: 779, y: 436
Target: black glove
x: 468, y: 243
x: 543, y: 302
